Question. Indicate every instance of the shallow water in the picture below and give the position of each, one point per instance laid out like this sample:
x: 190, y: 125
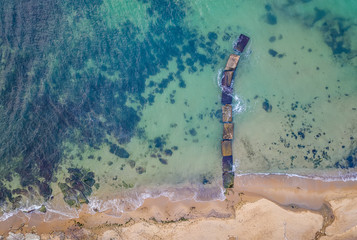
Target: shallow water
x: 129, y: 90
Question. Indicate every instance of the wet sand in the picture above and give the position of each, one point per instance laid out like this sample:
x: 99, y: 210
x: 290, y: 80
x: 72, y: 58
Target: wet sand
x: 259, y: 207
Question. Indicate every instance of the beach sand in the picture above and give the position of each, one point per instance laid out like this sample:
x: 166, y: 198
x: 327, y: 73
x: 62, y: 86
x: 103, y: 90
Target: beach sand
x: 282, y: 208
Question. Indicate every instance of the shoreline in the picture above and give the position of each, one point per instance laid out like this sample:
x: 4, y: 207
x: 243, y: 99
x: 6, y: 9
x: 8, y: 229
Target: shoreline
x: 281, y: 196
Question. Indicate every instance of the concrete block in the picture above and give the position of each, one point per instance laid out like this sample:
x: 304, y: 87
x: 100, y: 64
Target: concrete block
x: 227, y: 164
x: 241, y: 43
x: 232, y: 62
x: 227, y: 78
x: 228, y: 131
x: 226, y: 98
x: 227, y: 113
x: 226, y: 148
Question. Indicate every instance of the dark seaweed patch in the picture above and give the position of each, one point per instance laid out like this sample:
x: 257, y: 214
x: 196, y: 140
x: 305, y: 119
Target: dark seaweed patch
x: 119, y: 151
x: 132, y: 163
x: 271, y: 19
x: 151, y: 99
x: 163, y: 161
x: 168, y: 152
x: 334, y: 32
x: 226, y: 37
x: 159, y: 142
x: 319, y: 14
x: 212, y: 36
x: 267, y: 7
x: 67, y: 101
x: 348, y: 162
x: 140, y: 170
x: 206, y: 178
x: 272, y: 52
x: 272, y: 39
x: 182, y: 84
x: 281, y: 55
x: 193, y: 132
x: 267, y: 106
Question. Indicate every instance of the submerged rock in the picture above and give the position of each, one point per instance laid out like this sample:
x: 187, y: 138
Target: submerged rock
x: 140, y: 170
x: 132, y: 163
x: 159, y: 142
x: 119, y: 151
x: 267, y: 106
x: 77, y: 187
x: 163, y: 161
x: 168, y: 152
x: 206, y: 179
x: 272, y: 39
x: 193, y: 132
x: 271, y: 19
x: 272, y: 52
x: 348, y: 162
x: 5, y: 194
x: 73, y: 197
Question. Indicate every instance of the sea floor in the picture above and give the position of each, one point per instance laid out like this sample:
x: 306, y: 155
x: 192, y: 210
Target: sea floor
x: 146, y: 97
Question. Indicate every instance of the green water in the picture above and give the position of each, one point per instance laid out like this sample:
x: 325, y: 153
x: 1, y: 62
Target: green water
x: 158, y: 95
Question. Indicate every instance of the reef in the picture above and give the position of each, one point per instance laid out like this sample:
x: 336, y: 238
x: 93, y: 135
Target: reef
x: 78, y: 187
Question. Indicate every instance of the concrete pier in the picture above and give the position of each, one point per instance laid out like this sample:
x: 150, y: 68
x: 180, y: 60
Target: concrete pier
x: 227, y: 115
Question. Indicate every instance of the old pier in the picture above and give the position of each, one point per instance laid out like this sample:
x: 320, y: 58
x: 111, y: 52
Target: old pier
x: 227, y: 115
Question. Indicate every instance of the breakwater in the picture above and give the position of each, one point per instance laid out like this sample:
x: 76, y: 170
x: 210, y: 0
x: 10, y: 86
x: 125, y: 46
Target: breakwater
x: 227, y: 115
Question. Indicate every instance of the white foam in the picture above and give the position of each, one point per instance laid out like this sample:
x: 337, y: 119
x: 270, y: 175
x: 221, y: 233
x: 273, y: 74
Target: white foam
x: 219, y: 78
x: 351, y: 177
x: 25, y: 209
x: 60, y: 214
x: 238, y: 105
x: 135, y: 199
x: 7, y: 215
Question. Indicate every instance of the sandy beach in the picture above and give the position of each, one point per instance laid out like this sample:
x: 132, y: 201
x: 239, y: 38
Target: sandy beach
x: 281, y: 208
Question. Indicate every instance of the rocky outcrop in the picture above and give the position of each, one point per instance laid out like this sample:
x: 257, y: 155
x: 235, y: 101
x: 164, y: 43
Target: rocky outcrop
x: 78, y: 187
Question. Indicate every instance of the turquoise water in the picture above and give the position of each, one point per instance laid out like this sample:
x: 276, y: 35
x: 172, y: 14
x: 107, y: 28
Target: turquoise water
x: 110, y: 102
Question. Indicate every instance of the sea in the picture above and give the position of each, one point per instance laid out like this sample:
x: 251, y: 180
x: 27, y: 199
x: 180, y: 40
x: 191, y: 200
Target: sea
x: 111, y: 102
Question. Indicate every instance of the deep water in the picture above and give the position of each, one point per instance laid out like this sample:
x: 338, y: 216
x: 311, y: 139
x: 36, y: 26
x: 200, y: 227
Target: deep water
x: 100, y: 98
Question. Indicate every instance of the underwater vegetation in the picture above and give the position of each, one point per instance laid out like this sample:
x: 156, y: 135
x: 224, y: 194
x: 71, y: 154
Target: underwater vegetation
x: 66, y: 76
